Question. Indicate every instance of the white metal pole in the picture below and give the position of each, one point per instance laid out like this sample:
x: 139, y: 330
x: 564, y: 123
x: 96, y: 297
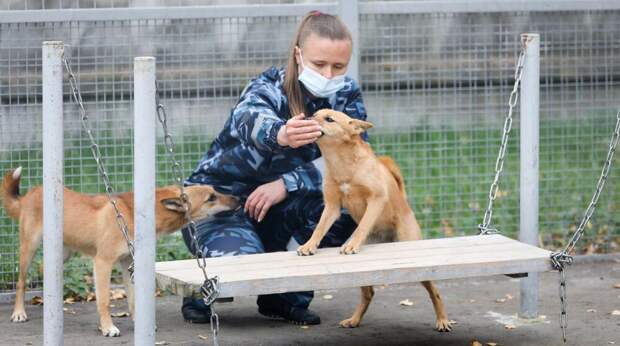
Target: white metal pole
x: 144, y: 189
x: 529, y: 166
x: 348, y: 11
x: 53, y: 198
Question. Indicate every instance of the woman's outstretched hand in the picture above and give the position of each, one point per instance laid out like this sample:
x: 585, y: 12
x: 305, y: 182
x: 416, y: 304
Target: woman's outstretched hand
x: 264, y: 197
x: 299, y: 131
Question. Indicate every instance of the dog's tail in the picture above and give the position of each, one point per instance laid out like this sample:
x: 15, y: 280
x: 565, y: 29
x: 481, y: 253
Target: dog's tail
x: 391, y: 165
x: 10, y: 192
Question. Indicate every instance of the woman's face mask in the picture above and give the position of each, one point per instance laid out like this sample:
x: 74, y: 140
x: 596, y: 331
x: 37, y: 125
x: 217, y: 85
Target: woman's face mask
x: 318, y: 85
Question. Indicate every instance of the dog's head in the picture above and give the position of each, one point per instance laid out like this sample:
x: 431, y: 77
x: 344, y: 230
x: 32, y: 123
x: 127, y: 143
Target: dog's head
x: 338, y: 127
x: 205, y: 202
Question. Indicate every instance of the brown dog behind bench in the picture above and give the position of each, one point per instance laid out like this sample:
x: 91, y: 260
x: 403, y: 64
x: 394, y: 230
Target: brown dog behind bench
x: 90, y: 227
x: 372, y: 189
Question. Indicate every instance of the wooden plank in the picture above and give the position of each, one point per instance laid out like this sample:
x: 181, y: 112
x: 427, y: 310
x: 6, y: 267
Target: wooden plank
x: 390, y: 263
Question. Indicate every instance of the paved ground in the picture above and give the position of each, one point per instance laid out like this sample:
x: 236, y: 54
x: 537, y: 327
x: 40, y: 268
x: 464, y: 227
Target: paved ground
x: 471, y: 303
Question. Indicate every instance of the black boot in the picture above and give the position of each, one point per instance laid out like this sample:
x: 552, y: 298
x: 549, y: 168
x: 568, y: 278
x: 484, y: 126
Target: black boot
x: 274, y: 306
x: 195, y: 310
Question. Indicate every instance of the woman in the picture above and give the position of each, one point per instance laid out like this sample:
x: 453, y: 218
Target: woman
x: 265, y: 153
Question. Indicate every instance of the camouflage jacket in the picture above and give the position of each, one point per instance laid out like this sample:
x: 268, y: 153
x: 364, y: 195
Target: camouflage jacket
x: 246, y: 153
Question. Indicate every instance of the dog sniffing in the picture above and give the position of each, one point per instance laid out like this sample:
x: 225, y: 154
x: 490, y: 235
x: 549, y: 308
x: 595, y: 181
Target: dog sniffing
x: 90, y: 227
x: 372, y: 189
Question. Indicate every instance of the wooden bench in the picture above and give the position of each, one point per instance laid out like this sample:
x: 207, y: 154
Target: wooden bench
x: 377, y: 264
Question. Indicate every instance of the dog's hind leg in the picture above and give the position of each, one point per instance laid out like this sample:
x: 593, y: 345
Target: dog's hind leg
x: 27, y: 248
x: 367, y: 293
x: 103, y: 271
x: 125, y: 262
x: 442, y: 324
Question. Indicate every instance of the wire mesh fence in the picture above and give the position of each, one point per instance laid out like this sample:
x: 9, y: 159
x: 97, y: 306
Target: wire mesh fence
x: 436, y: 86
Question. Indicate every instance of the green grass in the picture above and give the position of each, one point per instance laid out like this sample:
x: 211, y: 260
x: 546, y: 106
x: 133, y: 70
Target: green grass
x: 448, y: 173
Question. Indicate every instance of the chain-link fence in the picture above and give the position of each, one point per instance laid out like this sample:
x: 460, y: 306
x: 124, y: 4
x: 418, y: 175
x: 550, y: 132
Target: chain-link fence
x: 436, y: 85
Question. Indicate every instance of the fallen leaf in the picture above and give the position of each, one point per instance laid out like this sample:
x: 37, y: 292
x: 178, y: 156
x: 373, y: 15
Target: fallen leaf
x: 491, y: 343
x: 112, y: 305
x: 591, y: 310
x: 406, y: 302
x: 158, y: 294
x: 611, y: 342
x: 70, y: 300
x: 328, y: 296
x: 161, y: 343
x: 118, y: 293
x: 65, y: 309
x: 453, y: 322
x: 615, y: 313
x: 617, y: 285
x: 36, y: 300
x: 304, y: 327
x: 500, y: 300
x: 510, y: 326
x: 203, y: 337
x: 475, y: 343
x: 472, y: 300
x: 120, y: 314
x: 91, y: 296
x: 508, y: 296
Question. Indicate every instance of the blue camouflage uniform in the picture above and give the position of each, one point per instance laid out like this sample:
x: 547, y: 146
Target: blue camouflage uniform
x: 246, y: 155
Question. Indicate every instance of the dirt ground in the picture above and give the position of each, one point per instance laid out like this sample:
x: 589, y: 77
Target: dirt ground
x: 483, y: 308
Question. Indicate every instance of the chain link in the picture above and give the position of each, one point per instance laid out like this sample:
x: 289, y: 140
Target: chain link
x: 210, y: 288
x: 499, y: 163
x: 94, y: 148
x: 561, y: 259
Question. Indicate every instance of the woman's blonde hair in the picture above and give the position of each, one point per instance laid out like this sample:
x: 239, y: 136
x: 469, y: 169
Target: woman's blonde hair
x: 323, y: 25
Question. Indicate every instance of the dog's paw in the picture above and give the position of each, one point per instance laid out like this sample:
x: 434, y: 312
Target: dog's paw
x: 350, y: 323
x: 348, y: 249
x: 443, y: 325
x: 19, y: 316
x: 307, y: 249
x: 110, y: 331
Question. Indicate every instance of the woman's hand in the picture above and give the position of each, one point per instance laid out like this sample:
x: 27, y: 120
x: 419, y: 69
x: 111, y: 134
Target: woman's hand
x: 299, y: 131
x: 264, y: 197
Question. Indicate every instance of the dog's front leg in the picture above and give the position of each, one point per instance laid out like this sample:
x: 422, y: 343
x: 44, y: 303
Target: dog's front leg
x: 103, y: 271
x: 374, y: 209
x: 125, y: 262
x: 330, y: 214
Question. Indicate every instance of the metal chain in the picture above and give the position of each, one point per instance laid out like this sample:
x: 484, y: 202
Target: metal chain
x: 561, y: 259
x: 210, y: 289
x: 499, y: 163
x: 94, y: 148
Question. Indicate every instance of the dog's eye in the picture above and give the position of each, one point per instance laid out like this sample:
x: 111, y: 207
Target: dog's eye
x: 329, y: 120
x: 212, y: 198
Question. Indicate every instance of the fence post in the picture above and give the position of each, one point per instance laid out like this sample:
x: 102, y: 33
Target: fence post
x: 144, y: 199
x: 348, y: 11
x: 529, y: 167
x: 53, y: 198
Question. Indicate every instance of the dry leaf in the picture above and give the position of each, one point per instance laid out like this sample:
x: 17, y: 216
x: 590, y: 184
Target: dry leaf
x: 617, y: 285
x: 615, y: 313
x: 500, y: 300
x: 453, y: 322
x: 304, y: 327
x: 91, y: 296
x: 406, y: 302
x: 120, y: 314
x: 472, y: 300
x: 70, y: 300
x: 510, y: 326
x: 475, y: 343
x: 491, y: 343
x: 203, y: 337
x: 508, y: 296
x: 591, y: 310
x: 161, y: 343
x: 36, y: 300
x: 612, y: 342
x: 118, y: 293
x: 328, y: 296
x: 65, y: 309
x: 158, y: 294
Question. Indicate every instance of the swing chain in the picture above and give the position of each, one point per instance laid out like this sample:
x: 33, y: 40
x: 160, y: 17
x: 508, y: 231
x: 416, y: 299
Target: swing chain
x: 499, y: 163
x: 210, y: 289
x: 95, y: 150
x: 561, y: 259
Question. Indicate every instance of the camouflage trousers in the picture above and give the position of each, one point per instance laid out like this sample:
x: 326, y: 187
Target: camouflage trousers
x: 235, y: 233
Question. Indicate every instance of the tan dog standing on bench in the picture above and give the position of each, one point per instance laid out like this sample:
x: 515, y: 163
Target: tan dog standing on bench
x: 90, y: 227
x: 372, y: 189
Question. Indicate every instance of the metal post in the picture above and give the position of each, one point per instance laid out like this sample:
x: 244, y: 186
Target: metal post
x: 348, y: 11
x: 144, y: 198
x: 529, y: 167
x: 53, y: 198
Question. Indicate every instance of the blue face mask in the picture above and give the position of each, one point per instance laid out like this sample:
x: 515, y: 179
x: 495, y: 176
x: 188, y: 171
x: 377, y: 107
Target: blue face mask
x: 318, y: 85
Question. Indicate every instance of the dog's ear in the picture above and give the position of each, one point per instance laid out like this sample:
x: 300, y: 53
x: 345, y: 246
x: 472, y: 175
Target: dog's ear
x: 173, y: 204
x: 359, y: 126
